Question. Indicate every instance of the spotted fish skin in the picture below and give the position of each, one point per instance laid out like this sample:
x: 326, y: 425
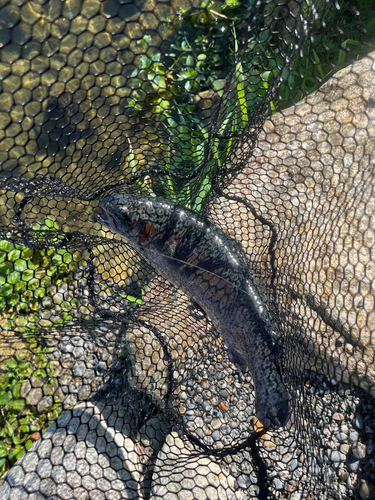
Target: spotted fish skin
x: 206, y: 264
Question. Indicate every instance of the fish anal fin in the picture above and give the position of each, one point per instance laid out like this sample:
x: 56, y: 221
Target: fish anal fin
x: 237, y: 360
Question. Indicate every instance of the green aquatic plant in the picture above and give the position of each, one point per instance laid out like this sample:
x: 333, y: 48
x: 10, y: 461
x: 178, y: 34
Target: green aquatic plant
x: 20, y: 423
x: 167, y: 87
x: 30, y: 280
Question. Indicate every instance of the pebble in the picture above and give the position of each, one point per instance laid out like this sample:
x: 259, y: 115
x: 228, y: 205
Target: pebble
x: 342, y: 437
x: 287, y: 466
x: 353, y: 464
x: 359, y: 451
x: 343, y: 475
x: 358, y: 422
x: 293, y: 465
x: 296, y: 496
x: 339, y: 417
x: 364, y: 490
x: 216, y: 424
x: 337, y: 456
x: 353, y: 436
x: 79, y: 369
x: 216, y: 435
x: 224, y: 393
x: 254, y: 490
x: 278, y: 485
x: 344, y: 448
x: 101, y: 367
x: 242, y: 483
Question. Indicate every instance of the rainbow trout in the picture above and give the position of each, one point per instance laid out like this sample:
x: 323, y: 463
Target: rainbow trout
x: 205, y: 263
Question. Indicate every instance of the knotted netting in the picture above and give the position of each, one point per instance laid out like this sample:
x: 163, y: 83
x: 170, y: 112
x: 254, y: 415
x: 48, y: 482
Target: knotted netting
x: 114, y: 382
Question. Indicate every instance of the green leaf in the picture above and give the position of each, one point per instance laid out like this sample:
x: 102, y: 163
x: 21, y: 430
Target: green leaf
x: 6, y: 268
x: 22, y: 309
x: 28, y: 444
x: 57, y: 259
x: 11, y: 364
x: 14, y: 255
x: 144, y: 62
x: 6, y: 246
x: 189, y: 61
x: 13, y: 453
x: 14, y: 277
x: 27, y: 275
x: 20, y: 454
x: 50, y: 223
x: 4, y: 398
x: 18, y: 404
x: 16, y: 389
x: 6, y: 290
x: 12, y: 300
x: 20, y: 287
x: 24, y: 364
x: 33, y: 284
x: 40, y: 293
x: 3, y: 451
x: 20, y: 265
x: 27, y: 253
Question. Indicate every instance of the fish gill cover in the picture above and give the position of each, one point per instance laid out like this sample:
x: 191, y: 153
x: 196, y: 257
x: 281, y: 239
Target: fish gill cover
x: 187, y: 249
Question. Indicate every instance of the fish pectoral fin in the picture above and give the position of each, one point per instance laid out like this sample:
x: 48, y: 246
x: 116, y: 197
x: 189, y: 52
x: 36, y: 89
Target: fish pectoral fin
x: 237, y: 360
x: 172, y: 244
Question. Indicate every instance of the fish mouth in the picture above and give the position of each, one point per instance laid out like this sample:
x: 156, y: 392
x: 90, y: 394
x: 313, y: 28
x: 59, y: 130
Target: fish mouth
x: 106, y: 219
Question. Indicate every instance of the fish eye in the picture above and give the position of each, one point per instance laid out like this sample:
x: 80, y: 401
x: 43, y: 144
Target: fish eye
x: 125, y: 212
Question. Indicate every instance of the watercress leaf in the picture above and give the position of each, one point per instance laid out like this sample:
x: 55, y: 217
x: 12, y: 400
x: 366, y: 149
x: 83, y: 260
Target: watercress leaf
x: 14, y: 277
x: 28, y: 444
x: 16, y: 389
x: 11, y: 364
x: 20, y: 287
x: 6, y: 268
x: 4, y: 398
x: 20, y: 265
x: 14, y: 255
x: 6, y: 246
x: 27, y: 275
x: 18, y: 404
x: 20, y: 454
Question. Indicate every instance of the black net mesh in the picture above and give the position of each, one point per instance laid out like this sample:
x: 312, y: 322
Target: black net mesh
x: 242, y: 365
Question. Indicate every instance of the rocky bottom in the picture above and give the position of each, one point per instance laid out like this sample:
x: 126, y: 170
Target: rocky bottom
x: 120, y: 444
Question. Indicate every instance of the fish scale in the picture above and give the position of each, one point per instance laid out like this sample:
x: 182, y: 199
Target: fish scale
x: 206, y: 264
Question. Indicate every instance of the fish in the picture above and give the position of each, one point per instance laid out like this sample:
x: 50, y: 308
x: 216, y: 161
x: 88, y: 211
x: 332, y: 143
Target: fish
x: 205, y: 263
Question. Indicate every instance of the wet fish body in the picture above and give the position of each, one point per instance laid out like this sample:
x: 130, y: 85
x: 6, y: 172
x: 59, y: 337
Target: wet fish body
x: 205, y: 263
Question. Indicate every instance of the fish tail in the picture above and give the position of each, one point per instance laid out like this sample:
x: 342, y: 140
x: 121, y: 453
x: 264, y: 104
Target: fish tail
x: 272, y: 403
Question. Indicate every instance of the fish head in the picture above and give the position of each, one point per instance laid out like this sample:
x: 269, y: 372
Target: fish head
x: 136, y: 218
